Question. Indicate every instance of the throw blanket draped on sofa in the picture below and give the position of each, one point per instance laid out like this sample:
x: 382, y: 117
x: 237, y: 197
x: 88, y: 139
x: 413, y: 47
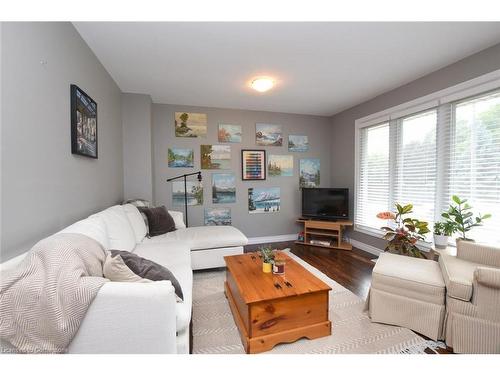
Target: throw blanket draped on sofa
x: 45, y: 298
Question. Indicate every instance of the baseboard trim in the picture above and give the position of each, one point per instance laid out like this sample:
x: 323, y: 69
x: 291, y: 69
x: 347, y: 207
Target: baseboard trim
x: 365, y: 247
x: 269, y: 239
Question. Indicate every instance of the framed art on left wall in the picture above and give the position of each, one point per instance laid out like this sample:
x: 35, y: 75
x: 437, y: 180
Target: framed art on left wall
x: 83, y: 123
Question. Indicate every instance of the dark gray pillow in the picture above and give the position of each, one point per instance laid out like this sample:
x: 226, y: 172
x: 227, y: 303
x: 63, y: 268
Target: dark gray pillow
x: 148, y: 269
x: 159, y: 220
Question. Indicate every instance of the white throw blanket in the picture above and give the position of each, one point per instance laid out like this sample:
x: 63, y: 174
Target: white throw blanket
x: 45, y: 298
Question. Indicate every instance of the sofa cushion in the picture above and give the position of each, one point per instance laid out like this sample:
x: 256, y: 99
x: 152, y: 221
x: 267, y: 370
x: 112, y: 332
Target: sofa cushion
x: 159, y: 220
x: 115, y: 269
x: 178, y: 219
x: 93, y: 227
x: 120, y: 233
x: 209, y: 237
x: 136, y: 221
x: 458, y: 275
x: 148, y: 269
x: 176, y: 256
x: 409, y: 277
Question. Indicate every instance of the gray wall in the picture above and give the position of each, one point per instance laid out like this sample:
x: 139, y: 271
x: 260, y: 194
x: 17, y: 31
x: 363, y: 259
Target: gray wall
x: 342, y: 131
x: 253, y: 225
x: 137, y: 146
x: 44, y: 186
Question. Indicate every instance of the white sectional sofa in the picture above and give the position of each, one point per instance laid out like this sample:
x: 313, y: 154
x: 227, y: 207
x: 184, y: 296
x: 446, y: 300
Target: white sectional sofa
x: 145, y: 317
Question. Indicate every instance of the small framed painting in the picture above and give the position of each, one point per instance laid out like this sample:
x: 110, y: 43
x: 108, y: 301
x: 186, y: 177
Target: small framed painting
x: 217, y: 216
x: 180, y: 158
x: 298, y: 143
x: 268, y: 135
x: 253, y: 165
x: 229, y: 133
x: 83, y: 123
x: 190, y: 125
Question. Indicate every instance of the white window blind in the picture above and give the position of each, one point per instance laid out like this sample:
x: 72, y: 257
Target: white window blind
x: 474, y: 171
x: 426, y: 157
x: 415, y: 164
x: 373, y: 180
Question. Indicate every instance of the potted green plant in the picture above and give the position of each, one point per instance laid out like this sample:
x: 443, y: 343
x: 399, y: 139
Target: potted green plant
x: 442, y: 232
x: 460, y: 214
x: 267, y: 254
x: 404, y: 235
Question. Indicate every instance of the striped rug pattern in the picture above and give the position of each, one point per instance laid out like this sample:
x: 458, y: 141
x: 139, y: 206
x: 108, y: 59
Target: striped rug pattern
x: 214, y: 330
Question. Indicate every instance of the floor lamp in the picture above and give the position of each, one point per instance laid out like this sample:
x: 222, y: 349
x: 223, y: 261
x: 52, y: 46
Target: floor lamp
x: 185, y: 176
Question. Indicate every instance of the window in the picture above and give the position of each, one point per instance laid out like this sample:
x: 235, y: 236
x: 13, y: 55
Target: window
x: 475, y: 160
x: 427, y: 155
x: 373, y: 189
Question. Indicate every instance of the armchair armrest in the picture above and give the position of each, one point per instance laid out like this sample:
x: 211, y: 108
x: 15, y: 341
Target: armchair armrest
x: 486, y: 295
x: 489, y: 277
x: 478, y: 253
x: 129, y: 318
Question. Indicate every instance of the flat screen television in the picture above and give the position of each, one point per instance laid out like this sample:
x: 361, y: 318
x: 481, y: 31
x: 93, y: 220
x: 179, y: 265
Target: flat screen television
x: 325, y: 203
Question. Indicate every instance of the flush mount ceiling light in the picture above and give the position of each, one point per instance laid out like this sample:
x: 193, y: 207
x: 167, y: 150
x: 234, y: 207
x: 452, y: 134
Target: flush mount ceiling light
x: 262, y: 84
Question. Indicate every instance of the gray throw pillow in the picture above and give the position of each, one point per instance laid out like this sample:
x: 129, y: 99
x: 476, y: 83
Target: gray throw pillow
x: 148, y: 269
x: 159, y: 220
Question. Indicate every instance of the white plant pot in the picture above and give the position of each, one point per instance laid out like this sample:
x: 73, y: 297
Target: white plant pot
x: 440, y: 241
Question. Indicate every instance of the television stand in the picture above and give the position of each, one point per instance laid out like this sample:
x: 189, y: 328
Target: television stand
x: 327, y: 234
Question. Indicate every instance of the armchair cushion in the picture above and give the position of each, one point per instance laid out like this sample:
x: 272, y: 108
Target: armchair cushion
x: 458, y: 275
x: 479, y: 253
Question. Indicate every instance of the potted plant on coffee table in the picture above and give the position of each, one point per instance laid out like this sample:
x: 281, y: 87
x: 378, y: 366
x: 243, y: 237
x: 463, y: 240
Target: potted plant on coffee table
x: 405, y: 232
x: 461, y: 216
x: 442, y: 232
x: 267, y: 254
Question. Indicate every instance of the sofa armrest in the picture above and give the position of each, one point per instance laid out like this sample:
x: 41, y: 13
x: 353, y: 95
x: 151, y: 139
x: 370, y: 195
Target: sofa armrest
x: 479, y: 253
x: 129, y: 318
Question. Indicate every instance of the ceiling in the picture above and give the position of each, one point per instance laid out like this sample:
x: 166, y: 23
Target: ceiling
x: 321, y: 68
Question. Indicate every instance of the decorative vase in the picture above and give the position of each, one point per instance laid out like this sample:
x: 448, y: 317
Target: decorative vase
x: 267, y: 267
x: 440, y: 241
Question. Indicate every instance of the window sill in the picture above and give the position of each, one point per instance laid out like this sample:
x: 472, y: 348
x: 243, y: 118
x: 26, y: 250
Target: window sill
x: 422, y: 245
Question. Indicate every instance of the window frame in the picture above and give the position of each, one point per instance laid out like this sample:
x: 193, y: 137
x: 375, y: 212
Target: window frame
x: 461, y: 92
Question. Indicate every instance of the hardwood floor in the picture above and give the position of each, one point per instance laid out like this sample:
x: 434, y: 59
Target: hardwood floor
x: 351, y: 269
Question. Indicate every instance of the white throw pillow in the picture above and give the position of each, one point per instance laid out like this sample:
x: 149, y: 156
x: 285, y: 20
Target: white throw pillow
x: 93, y: 227
x: 115, y: 269
x: 120, y: 233
x: 136, y: 221
x: 178, y: 217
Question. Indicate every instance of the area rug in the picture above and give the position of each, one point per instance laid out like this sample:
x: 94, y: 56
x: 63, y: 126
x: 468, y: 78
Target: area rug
x: 214, y: 330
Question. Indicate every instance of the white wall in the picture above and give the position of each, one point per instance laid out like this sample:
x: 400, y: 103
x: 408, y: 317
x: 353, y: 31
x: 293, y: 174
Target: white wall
x: 44, y: 187
x: 137, y: 146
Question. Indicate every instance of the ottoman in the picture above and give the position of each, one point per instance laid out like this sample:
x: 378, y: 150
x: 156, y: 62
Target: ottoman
x: 408, y: 292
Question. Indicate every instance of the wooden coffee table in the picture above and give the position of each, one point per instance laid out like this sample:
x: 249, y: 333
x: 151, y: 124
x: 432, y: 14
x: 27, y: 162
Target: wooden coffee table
x: 270, y: 309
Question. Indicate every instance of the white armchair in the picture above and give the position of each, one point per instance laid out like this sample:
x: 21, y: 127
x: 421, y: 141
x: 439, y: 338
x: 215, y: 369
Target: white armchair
x: 472, y: 279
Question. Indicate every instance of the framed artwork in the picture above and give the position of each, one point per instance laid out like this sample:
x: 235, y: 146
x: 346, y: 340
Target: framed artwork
x: 280, y: 165
x: 268, y: 135
x: 180, y: 158
x: 264, y: 200
x: 298, y: 143
x: 190, y: 125
x: 217, y: 216
x: 309, y: 173
x: 253, y: 165
x: 194, y: 193
x: 223, y: 188
x: 215, y: 157
x: 83, y: 123
x: 229, y: 133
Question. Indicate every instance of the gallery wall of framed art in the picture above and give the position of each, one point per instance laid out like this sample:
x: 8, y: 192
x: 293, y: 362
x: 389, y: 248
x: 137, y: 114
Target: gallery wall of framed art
x: 247, y: 158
